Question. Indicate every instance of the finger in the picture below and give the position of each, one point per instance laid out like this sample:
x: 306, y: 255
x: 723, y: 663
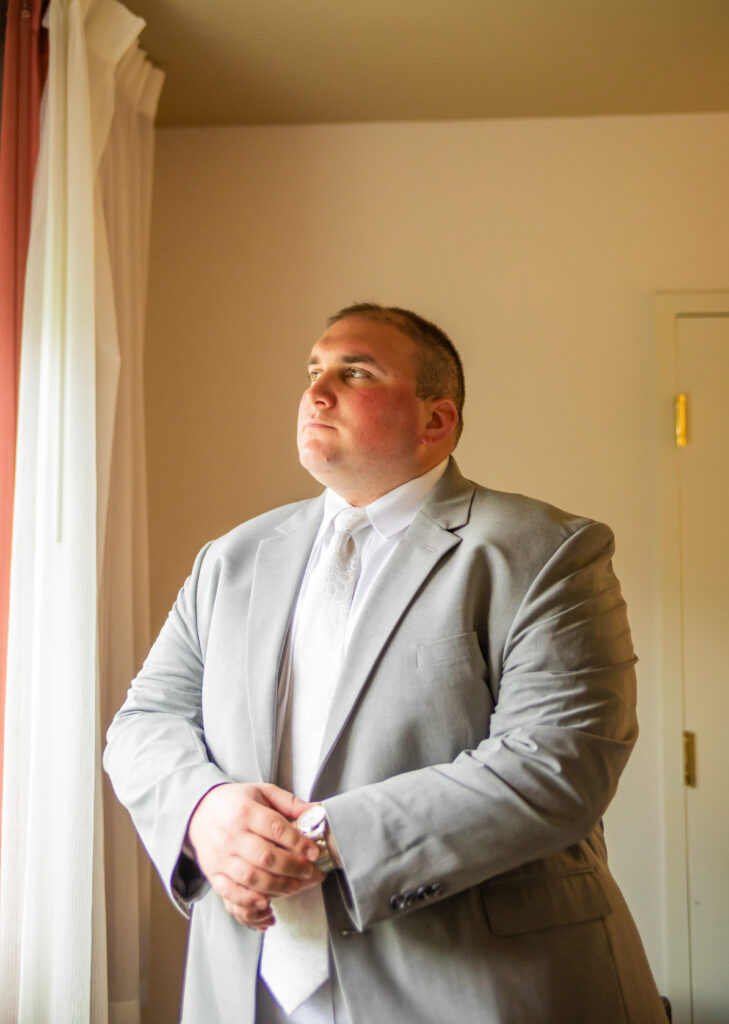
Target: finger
x: 228, y: 889
x: 257, y: 919
x: 283, y: 801
x: 239, y: 900
x: 244, y: 874
x: 241, y: 879
x: 267, y: 857
x: 272, y: 826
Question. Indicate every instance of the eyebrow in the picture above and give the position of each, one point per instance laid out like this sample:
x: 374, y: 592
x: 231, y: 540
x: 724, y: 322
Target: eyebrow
x: 352, y: 359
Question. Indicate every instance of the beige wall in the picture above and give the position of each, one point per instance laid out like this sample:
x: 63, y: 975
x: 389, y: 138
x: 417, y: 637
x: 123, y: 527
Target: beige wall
x: 536, y: 244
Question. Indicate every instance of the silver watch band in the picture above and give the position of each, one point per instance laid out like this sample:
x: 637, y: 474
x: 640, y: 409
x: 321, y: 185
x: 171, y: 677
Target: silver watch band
x: 324, y: 861
x: 313, y: 824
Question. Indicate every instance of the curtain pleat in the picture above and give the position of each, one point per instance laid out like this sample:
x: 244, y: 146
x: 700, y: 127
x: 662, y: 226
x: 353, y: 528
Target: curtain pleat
x: 126, y: 176
x: 24, y: 64
x: 78, y: 590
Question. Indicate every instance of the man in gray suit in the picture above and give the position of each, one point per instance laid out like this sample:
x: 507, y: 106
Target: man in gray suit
x: 396, y: 815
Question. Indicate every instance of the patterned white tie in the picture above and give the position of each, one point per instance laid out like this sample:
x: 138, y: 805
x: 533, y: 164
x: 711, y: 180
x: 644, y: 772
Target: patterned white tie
x: 295, y: 955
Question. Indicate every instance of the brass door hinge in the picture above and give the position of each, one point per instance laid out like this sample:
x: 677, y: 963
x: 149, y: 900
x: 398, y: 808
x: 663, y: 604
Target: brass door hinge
x: 680, y: 424
x: 689, y: 759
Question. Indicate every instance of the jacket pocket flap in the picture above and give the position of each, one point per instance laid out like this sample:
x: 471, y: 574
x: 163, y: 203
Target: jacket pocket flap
x: 546, y: 902
x: 450, y: 648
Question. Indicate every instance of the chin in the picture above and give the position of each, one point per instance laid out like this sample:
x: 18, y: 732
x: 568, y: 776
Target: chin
x: 315, y: 463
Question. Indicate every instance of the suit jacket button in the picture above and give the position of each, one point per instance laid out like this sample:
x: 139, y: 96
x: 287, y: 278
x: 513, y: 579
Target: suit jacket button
x: 409, y: 897
x: 396, y: 902
x: 422, y: 892
x: 435, y: 888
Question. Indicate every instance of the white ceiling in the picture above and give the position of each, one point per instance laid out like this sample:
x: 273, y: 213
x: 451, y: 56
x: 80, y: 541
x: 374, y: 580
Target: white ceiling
x: 309, y: 61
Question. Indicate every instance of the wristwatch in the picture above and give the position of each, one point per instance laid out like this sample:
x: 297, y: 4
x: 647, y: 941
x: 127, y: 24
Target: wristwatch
x: 313, y: 824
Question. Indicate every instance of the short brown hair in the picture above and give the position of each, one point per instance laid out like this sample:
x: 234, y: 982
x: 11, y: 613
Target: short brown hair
x: 438, y: 367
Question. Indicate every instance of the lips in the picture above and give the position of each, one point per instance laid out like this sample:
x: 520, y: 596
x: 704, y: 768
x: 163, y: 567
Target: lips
x: 317, y: 424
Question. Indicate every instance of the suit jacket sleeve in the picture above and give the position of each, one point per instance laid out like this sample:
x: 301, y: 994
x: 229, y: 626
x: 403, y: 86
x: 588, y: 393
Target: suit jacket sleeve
x: 156, y: 754
x: 559, y: 736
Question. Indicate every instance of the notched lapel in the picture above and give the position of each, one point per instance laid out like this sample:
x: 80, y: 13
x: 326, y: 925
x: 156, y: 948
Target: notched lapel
x: 424, y: 544
x: 280, y: 563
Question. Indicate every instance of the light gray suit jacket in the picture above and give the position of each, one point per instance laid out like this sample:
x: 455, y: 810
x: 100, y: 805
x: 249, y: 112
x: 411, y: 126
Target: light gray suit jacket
x: 485, y: 713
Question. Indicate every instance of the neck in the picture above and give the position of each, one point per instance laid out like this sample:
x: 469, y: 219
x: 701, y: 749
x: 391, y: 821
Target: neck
x: 359, y: 496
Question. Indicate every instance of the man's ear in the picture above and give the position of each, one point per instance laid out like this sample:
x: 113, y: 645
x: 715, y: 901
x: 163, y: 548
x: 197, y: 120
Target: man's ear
x: 442, y: 422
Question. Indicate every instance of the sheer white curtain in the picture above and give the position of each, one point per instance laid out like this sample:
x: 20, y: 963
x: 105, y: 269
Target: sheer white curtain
x: 78, y: 616
x: 126, y: 180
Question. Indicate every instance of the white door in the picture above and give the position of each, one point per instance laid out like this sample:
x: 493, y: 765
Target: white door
x: 701, y: 539
x: 703, y: 375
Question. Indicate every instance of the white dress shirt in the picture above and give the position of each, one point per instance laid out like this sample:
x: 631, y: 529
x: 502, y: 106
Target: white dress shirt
x: 389, y: 518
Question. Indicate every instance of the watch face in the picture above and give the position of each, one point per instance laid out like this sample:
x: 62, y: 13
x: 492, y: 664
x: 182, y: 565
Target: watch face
x: 312, y: 821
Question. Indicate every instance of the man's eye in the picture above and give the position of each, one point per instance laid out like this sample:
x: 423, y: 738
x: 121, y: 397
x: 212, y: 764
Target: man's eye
x: 314, y: 374
x: 355, y: 371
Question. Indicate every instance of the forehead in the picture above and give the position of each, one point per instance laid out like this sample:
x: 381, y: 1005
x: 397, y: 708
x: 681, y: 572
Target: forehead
x: 355, y: 335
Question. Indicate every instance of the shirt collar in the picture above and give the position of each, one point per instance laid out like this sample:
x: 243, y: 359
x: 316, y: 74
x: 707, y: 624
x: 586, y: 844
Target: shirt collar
x: 394, y: 511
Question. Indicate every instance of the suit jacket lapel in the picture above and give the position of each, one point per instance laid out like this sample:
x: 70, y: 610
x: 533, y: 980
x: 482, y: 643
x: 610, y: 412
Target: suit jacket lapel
x: 279, y: 566
x: 421, y: 548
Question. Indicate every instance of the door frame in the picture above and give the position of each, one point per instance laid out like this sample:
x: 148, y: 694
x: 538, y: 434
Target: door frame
x: 669, y: 308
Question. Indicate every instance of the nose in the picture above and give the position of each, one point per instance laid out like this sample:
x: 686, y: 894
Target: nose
x: 320, y: 391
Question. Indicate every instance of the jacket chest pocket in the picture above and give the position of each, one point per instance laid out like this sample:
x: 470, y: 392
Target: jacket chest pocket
x: 463, y: 647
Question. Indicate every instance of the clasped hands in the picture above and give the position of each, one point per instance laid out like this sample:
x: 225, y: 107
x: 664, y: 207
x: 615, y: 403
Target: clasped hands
x: 246, y: 845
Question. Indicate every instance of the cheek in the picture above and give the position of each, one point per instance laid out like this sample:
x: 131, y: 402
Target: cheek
x: 372, y: 413
x: 386, y: 420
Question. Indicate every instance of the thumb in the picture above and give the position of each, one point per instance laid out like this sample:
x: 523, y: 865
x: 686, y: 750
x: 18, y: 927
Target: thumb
x: 282, y: 801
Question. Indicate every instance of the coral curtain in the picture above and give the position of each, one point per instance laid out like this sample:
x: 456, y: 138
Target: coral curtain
x: 78, y: 582
x: 25, y: 58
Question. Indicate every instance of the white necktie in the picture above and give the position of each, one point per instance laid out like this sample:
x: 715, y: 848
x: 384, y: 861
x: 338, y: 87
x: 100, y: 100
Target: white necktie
x: 295, y: 956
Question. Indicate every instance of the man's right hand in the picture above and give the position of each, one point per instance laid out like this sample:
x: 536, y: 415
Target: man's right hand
x: 247, y: 846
